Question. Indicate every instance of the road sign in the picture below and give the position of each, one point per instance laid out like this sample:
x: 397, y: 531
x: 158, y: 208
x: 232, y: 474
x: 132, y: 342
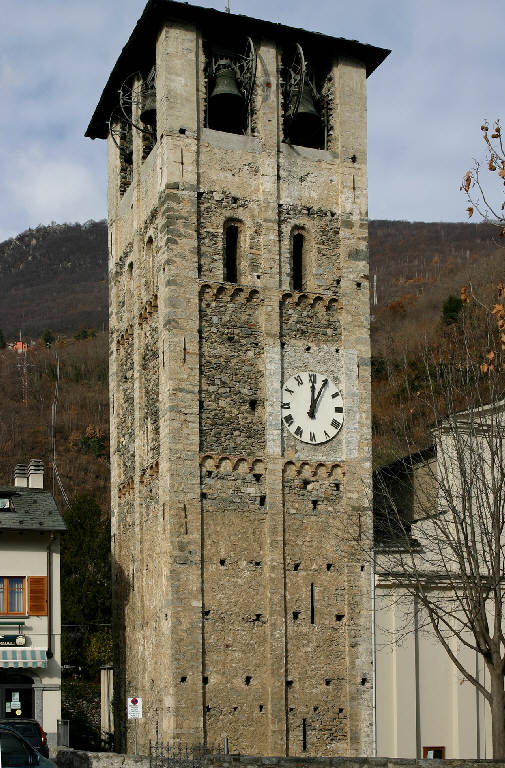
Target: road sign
x: 134, y: 708
x: 134, y: 713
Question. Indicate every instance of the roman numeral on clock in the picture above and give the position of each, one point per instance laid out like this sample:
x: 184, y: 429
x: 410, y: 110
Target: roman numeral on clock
x: 312, y: 437
x: 339, y: 409
x: 299, y: 380
x: 335, y: 424
x: 289, y: 390
x: 298, y: 431
x: 334, y: 395
x: 286, y: 405
x: 289, y: 419
x: 312, y: 378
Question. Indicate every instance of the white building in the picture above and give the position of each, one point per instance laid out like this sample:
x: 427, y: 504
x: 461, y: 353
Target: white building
x: 425, y: 706
x: 30, y: 629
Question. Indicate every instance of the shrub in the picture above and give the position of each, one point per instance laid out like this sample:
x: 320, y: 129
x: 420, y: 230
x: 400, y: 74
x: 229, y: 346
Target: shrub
x: 451, y: 309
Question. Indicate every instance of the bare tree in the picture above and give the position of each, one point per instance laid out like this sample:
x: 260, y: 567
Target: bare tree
x: 488, y: 202
x: 440, y: 514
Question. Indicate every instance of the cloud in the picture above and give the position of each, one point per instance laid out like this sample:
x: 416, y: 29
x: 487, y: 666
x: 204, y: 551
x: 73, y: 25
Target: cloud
x: 43, y: 189
x: 425, y: 104
x: 10, y: 77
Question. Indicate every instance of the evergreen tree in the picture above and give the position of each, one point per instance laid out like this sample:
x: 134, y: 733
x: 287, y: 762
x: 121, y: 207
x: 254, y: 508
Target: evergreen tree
x: 451, y: 309
x: 48, y: 337
x: 85, y: 565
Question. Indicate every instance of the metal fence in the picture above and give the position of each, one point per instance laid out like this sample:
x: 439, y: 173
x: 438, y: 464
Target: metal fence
x: 178, y: 755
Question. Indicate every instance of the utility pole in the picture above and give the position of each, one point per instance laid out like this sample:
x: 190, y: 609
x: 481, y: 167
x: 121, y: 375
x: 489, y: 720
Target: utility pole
x: 25, y: 379
x: 23, y: 367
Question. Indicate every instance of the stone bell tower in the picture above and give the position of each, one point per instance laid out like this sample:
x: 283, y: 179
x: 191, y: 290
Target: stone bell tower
x: 240, y: 382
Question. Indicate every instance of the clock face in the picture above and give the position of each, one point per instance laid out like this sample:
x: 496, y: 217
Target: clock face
x: 312, y: 407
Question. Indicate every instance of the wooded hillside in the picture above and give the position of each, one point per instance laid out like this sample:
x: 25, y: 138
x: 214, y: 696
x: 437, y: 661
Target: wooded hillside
x: 55, y: 277
x: 416, y: 267
x: 82, y: 415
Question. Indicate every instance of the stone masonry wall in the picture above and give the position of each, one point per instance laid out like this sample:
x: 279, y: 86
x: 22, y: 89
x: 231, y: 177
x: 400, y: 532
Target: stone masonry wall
x: 126, y: 407
x: 320, y: 228
x: 235, y: 606
x: 123, y: 542
x: 227, y: 543
x: 70, y: 758
x: 231, y: 378
x: 218, y: 208
x: 316, y: 599
x: 149, y: 375
x: 310, y: 318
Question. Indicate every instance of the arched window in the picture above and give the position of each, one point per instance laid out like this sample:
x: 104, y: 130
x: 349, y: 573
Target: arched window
x: 297, y: 262
x: 231, y: 253
x: 129, y: 290
x: 228, y: 103
x: 148, y: 265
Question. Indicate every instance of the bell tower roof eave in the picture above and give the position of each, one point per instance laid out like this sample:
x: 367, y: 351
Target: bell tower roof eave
x: 158, y: 12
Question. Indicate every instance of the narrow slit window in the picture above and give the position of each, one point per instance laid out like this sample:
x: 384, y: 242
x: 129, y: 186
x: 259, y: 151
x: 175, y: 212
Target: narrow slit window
x: 297, y: 257
x: 148, y: 266
x: 231, y: 254
x: 304, y: 735
x: 312, y: 621
x: 129, y: 289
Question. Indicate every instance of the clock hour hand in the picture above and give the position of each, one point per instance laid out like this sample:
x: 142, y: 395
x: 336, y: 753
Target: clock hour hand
x: 312, y: 411
x: 312, y: 398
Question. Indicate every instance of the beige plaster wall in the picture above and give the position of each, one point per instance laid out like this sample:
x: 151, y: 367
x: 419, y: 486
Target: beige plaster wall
x: 25, y: 554
x: 422, y: 699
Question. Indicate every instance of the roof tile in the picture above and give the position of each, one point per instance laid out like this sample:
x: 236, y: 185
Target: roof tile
x: 31, y: 509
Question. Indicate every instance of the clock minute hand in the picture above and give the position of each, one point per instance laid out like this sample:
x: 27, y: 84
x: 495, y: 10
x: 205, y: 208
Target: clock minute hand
x: 314, y: 404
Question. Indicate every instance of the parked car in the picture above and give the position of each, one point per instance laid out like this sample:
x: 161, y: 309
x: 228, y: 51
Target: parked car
x: 31, y: 730
x: 17, y: 752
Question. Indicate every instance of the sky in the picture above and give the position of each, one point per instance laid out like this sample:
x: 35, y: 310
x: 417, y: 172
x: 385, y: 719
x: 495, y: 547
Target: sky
x: 425, y: 103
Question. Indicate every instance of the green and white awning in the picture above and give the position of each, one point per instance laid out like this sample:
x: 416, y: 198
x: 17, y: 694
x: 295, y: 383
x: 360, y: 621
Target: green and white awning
x: 20, y: 658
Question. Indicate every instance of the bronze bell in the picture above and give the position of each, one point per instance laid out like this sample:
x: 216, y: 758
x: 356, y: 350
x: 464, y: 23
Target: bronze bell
x: 148, y: 112
x: 306, y: 125
x: 226, y: 102
x: 306, y: 106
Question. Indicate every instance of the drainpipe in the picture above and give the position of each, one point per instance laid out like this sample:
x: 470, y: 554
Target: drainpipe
x: 50, y: 652
x: 374, y: 665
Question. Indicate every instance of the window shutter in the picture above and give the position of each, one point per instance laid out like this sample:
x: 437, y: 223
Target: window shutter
x: 37, y: 595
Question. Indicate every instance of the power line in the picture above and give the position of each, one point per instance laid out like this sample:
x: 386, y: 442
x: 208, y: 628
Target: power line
x: 90, y: 624
x: 23, y: 366
x: 56, y: 474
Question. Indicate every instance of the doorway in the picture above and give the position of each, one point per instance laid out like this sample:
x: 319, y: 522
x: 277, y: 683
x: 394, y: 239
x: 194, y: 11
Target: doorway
x: 16, y: 695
